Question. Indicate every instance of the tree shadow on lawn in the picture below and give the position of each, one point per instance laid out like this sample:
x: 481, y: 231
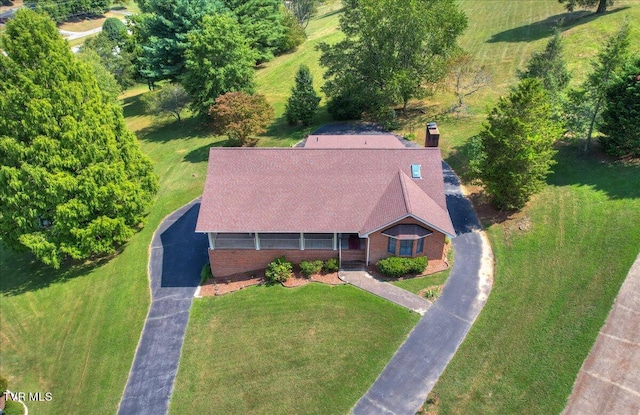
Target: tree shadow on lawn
x: 22, y: 272
x: 201, y: 154
x: 544, y: 28
x: 280, y: 129
x: 164, y: 130
x: 133, y: 107
x: 618, y: 179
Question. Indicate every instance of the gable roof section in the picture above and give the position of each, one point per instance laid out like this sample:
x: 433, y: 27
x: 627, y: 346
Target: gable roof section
x: 320, y: 190
x: 405, y: 198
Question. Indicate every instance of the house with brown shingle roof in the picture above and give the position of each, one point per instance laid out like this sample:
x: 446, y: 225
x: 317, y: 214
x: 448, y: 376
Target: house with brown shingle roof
x: 346, y: 197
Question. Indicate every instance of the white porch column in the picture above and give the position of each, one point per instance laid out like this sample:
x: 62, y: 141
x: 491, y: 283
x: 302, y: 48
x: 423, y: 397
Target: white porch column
x: 212, y: 244
x: 257, y: 241
x: 301, y: 241
x: 368, y: 241
x: 335, y: 241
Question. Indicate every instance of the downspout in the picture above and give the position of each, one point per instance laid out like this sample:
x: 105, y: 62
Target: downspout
x: 340, y: 250
x: 368, y: 240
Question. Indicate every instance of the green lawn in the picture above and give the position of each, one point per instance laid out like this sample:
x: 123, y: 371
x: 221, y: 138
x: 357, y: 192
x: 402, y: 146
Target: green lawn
x: 73, y: 332
x: 274, y: 350
x: 554, y: 286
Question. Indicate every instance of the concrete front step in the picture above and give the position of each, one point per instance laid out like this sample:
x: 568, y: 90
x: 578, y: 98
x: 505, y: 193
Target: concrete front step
x: 352, y: 265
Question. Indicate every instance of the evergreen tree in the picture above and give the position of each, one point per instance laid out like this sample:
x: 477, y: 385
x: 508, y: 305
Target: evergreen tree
x: 218, y: 60
x: 514, y: 153
x: 588, y: 101
x: 115, y: 30
x: 162, y: 32
x: 73, y: 181
x: 303, y: 102
x: 548, y: 65
x: 621, y: 118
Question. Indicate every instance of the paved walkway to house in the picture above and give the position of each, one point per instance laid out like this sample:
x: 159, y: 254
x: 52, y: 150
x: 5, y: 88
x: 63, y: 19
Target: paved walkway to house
x: 365, y: 281
x: 609, y: 380
x: 177, y: 255
x: 405, y: 382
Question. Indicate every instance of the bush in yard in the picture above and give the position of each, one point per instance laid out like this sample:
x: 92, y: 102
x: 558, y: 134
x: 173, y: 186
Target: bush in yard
x: 239, y: 115
x: 309, y: 268
x: 330, y: 265
x: 278, y: 270
x: 397, y: 267
x: 3, y: 385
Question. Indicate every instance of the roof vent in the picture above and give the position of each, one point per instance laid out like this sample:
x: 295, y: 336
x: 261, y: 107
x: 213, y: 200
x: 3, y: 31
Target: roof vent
x: 415, y: 171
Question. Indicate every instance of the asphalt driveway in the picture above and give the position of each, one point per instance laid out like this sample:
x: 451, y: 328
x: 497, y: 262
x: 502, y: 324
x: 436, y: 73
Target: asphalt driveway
x: 176, y: 259
x: 405, y: 382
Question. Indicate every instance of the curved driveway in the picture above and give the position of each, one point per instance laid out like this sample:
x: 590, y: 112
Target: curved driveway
x: 176, y: 259
x: 405, y: 382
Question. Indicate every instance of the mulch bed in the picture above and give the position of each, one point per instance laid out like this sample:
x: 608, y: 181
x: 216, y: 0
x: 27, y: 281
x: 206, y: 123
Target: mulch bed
x: 224, y: 285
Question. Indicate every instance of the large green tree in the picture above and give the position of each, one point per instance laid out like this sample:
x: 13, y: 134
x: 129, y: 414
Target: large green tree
x: 514, y: 153
x: 392, y: 51
x: 73, y: 181
x: 218, y: 60
x: 162, y: 33
x: 261, y: 23
x: 621, y: 118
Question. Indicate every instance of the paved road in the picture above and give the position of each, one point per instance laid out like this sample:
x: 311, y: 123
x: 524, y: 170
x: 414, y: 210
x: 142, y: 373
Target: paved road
x: 405, y: 382
x: 609, y: 380
x: 177, y: 257
x: 404, y: 298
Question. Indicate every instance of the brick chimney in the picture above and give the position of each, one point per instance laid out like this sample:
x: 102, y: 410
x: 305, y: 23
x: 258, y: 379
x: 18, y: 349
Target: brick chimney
x: 433, y: 135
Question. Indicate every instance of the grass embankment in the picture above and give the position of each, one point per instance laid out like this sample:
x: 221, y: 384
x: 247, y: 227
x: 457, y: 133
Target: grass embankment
x: 555, y: 279
x: 273, y: 350
x: 73, y: 332
x: 555, y: 282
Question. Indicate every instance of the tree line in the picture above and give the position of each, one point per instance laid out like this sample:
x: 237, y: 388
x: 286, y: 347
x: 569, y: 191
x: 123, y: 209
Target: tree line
x: 513, y: 155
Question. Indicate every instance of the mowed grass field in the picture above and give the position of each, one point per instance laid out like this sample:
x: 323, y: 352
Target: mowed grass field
x: 73, y: 332
x: 273, y: 350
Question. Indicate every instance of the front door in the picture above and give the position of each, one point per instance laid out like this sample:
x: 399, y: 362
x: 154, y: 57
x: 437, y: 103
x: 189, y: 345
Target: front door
x: 354, y: 242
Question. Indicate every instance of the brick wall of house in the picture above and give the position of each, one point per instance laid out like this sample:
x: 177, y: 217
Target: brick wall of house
x: 433, y: 244
x: 226, y: 262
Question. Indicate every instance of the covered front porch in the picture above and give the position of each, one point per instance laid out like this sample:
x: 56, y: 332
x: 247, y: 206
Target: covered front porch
x: 242, y: 252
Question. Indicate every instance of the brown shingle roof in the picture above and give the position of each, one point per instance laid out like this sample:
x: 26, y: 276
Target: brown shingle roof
x: 353, y: 141
x: 321, y: 190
